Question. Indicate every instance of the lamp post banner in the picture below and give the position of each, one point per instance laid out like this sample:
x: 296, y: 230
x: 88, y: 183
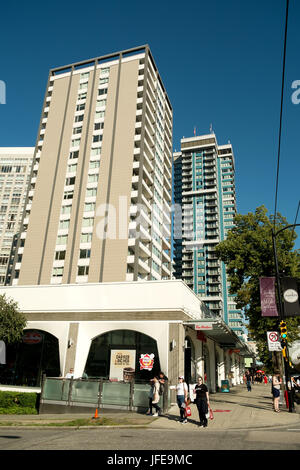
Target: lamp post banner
x: 290, y: 289
x: 268, y: 297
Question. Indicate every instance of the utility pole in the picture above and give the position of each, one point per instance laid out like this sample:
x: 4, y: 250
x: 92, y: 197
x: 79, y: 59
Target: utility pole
x: 282, y: 317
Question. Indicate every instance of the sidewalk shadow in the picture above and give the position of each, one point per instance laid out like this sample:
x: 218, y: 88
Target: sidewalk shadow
x: 176, y: 418
x: 258, y: 405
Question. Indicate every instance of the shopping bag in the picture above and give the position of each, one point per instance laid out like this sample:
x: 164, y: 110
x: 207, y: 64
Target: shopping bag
x: 187, y: 411
x: 211, y: 415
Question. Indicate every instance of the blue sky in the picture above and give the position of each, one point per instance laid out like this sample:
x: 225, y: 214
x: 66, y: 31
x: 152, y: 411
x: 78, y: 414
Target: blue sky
x: 221, y: 63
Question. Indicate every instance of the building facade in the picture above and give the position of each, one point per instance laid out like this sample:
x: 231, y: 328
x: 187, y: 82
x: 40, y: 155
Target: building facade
x: 15, y: 170
x: 84, y: 326
x: 97, y: 219
x: 100, y: 199
x: 204, y: 187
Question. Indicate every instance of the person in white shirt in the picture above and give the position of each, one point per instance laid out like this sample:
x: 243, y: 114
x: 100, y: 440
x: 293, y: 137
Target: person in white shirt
x: 70, y: 374
x: 154, y: 397
x: 182, y: 395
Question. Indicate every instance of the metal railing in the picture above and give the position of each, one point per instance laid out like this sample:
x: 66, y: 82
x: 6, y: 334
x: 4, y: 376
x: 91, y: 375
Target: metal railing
x: 100, y: 393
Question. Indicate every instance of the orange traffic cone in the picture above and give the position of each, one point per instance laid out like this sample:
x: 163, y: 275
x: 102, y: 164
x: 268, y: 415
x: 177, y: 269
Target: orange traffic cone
x: 96, y: 414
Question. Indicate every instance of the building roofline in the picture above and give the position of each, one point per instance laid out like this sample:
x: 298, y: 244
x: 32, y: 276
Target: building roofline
x: 87, y: 62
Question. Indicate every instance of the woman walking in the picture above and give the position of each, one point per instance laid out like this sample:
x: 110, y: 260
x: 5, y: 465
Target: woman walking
x: 276, y: 382
x: 154, y: 398
x: 202, y: 401
x: 182, y: 395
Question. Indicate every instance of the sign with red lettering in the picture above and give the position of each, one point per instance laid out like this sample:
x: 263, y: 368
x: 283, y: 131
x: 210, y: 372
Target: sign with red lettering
x: 32, y: 337
x: 203, y: 326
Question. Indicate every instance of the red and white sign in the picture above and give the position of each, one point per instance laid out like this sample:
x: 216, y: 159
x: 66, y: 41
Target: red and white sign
x: 273, y: 341
x: 203, y: 326
x: 32, y: 337
x: 146, y: 361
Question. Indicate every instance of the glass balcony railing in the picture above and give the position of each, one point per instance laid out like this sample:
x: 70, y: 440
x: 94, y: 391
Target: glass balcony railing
x: 99, y: 393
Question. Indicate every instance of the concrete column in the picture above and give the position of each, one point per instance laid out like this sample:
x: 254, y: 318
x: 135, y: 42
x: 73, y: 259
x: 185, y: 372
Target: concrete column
x: 71, y: 348
x: 199, y: 359
x: 221, y: 366
x: 211, y: 366
x: 176, y: 352
x: 227, y: 367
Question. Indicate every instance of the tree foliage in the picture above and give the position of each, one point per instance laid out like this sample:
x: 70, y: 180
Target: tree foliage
x: 12, y: 321
x: 248, y: 255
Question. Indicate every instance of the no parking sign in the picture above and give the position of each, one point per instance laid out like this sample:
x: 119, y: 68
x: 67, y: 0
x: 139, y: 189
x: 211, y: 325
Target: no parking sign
x: 273, y: 341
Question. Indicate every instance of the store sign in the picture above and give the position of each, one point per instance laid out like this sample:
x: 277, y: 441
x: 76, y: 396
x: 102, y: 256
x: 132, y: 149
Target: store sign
x: 31, y: 337
x: 274, y: 341
x: 146, y: 361
x: 203, y: 326
x: 122, y: 364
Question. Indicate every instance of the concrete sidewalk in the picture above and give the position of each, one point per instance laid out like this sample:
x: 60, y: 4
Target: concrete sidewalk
x: 237, y: 409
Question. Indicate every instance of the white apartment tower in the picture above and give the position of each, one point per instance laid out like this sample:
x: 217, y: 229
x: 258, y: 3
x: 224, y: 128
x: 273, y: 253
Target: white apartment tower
x: 15, y: 170
x: 100, y: 199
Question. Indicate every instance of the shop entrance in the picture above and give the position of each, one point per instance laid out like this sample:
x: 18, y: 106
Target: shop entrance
x: 28, y: 360
x: 206, y: 377
x: 189, y: 362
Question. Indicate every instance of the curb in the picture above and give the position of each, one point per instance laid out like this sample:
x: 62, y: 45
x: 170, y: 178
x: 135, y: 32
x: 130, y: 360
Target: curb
x: 76, y: 428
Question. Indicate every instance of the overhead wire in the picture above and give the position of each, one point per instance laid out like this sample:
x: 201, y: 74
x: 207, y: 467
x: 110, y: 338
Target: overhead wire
x: 281, y: 109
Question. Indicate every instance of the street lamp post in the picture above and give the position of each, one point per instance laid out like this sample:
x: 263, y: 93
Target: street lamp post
x: 281, y: 311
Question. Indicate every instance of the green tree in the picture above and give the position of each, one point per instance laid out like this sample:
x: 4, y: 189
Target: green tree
x: 248, y: 255
x: 12, y: 321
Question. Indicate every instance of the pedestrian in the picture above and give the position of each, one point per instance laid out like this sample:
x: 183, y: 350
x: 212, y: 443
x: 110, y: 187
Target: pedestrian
x: 265, y: 380
x: 202, y: 401
x: 154, y: 398
x: 295, y: 388
x: 163, y: 379
x: 276, y: 382
x: 248, y: 380
x: 182, y: 396
x: 70, y: 374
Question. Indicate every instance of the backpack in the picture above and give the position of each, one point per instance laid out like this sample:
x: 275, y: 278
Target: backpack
x: 161, y: 388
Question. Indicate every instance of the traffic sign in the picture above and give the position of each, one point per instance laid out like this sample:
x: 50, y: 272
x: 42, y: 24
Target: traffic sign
x: 273, y: 341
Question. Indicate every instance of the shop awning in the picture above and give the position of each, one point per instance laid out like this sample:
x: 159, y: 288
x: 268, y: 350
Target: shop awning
x: 217, y: 330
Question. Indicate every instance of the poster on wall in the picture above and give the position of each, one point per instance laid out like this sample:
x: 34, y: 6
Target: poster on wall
x: 146, y: 361
x: 122, y: 364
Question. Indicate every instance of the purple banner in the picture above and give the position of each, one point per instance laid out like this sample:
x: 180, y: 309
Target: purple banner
x: 268, y: 297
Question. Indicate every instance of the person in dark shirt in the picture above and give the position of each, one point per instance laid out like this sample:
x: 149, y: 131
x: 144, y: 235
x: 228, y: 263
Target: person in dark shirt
x: 202, y: 401
x: 248, y: 380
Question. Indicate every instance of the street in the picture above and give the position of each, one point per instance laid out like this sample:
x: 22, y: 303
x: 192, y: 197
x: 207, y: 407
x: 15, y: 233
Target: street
x: 150, y: 439
x: 242, y: 421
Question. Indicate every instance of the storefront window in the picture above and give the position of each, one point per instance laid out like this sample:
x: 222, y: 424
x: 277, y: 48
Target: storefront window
x: 117, y: 350
x: 28, y: 360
